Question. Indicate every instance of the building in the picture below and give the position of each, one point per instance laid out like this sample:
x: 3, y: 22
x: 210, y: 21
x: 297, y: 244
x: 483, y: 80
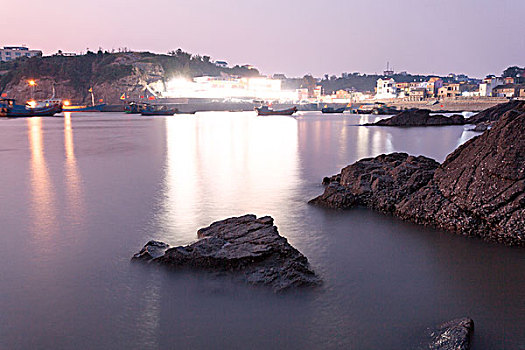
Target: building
x: 488, y: 84
x: 222, y: 64
x: 386, y: 88
x: 433, y: 86
x: 506, y: 90
x: 449, y: 90
x: 9, y: 53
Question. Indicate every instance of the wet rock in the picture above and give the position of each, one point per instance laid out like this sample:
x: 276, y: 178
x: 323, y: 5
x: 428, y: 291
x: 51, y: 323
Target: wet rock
x: 452, y: 335
x: 152, y: 250
x: 478, y: 191
x: 379, y: 183
x: 420, y: 117
x: 493, y: 114
x: 247, y: 246
x: 481, y: 127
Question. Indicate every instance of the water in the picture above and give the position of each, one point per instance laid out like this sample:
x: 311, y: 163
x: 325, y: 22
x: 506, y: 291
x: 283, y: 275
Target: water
x: 80, y: 194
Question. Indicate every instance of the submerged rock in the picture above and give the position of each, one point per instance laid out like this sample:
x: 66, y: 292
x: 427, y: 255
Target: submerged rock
x: 420, y: 117
x: 452, y: 335
x: 479, y: 190
x: 248, y: 246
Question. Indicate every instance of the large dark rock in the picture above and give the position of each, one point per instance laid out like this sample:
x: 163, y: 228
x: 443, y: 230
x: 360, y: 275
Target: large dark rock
x: 379, y: 183
x: 493, y: 114
x: 479, y: 190
x: 451, y: 335
x: 247, y: 246
x: 420, y: 117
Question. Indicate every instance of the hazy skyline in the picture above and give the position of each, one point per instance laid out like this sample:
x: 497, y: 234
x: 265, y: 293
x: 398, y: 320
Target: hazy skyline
x: 295, y: 37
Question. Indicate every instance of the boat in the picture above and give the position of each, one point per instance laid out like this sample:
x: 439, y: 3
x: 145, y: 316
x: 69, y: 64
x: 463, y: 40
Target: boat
x: 9, y: 109
x: 331, y: 110
x: 83, y: 108
x: 150, y: 110
x: 265, y: 110
x: 135, y: 107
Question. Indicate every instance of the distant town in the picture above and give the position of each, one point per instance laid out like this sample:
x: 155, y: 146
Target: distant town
x: 199, y: 77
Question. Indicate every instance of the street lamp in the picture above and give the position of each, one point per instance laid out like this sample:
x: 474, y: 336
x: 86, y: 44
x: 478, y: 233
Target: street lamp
x: 32, y: 83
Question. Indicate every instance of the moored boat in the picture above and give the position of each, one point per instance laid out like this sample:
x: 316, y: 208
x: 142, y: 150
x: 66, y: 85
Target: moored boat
x: 151, y: 110
x: 265, y: 110
x: 9, y: 109
x: 331, y: 110
x: 79, y: 108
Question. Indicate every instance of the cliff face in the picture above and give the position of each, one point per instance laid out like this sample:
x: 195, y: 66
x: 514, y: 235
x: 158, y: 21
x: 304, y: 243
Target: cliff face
x: 110, y: 75
x: 479, y: 190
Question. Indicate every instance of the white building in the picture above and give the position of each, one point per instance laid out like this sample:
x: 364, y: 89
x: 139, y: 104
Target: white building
x: 9, y: 53
x: 485, y: 88
x: 222, y: 64
x: 386, y: 88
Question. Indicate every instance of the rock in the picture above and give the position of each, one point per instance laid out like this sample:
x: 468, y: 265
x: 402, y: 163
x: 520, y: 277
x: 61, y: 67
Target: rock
x: 493, y: 114
x: 481, y: 127
x: 247, y: 246
x: 478, y: 191
x: 420, y: 117
x: 379, y: 183
x: 452, y: 335
x: 152, y: 250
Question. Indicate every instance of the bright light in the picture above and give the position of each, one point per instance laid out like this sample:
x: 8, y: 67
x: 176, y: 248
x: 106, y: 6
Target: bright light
x: 31, y: 82
x: 228, y: 88
x: 31, y: 103
x: 66, y: 103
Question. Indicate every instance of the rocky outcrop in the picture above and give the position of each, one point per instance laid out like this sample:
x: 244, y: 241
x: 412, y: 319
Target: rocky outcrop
x: 420, y: 117
x: 491, y: 115
x: 479, y: 190
x: 452, y: 335
x: 380, y: 183
x: 246, y: 246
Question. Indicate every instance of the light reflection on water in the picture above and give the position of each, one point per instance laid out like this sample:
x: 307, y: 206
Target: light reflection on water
x: 43, y: 204
x: 100, y: 186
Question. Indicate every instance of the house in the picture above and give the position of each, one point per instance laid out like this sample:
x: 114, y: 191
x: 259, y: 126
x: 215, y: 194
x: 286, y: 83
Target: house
x: 433, y: 85
x: 507, y: 90
x: 386, y: 88
x: 449, y: 90
x: 488, y: 84
x: 222, y: 64
x: 9, y: 53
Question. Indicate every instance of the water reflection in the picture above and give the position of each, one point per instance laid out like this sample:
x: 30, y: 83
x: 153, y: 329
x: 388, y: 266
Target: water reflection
x: 73, y: 179
x: 43, y: 204
x: 217, y: 164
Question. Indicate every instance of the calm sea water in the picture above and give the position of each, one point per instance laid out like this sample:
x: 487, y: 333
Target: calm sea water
x: 81, y: 194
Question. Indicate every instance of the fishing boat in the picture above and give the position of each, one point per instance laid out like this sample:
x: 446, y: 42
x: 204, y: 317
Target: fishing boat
x: 135, y: 107
x: 331, y: 110
x: 9, y: 109
x: 265, y: 110
x: 83, y: 108
x: 158, y: 110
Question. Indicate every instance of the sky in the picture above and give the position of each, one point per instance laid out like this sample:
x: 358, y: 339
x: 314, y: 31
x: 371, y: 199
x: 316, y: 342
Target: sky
x: 294, y: 37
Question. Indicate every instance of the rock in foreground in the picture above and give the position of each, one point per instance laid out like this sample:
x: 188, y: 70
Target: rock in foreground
x: 452, y: 335
x: 478, y: 191
x: 420, y: 117
x: 248, y: 246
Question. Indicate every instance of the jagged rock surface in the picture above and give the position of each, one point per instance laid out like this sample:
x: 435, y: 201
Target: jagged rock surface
x: 420, y: 117
x: 452, y: 335
x: 492, y: 114
x: 479, y: 190
x: 379, y: 183
x: 247, y: 245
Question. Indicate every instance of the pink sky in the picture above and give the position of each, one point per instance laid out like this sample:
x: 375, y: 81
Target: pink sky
x: 295, y: 37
